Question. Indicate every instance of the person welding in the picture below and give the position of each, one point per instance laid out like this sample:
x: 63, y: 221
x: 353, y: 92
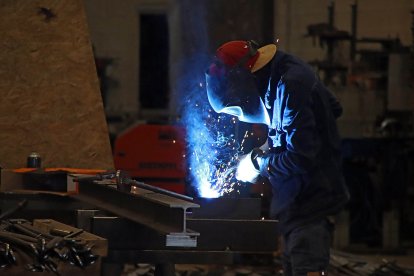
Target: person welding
x: 301, y: 158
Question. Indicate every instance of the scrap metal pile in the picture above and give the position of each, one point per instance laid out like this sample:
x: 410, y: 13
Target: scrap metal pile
x: 22, y: 244
x: 350, y: 264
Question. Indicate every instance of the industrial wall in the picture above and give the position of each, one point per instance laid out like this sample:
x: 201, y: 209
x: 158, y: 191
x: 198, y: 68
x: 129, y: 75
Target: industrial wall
x: 114, y: 32
x: 49, y: 92
x: 367, y: 93
x: 115, y: 35
x: 376, y: 18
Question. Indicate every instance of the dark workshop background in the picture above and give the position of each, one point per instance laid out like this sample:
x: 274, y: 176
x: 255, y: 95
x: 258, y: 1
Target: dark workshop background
x: 362, y: 50
x: 133, y: 54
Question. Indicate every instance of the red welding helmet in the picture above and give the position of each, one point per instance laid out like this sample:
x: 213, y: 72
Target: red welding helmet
x: 246, y: 54
x: 231, y: 86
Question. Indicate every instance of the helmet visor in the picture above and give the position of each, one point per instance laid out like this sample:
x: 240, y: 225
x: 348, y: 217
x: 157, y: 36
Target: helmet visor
x: 235, y: 92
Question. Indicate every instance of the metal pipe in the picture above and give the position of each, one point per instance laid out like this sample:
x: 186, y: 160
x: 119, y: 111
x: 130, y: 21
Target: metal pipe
x: 331, y: 22
x: 354, y: 11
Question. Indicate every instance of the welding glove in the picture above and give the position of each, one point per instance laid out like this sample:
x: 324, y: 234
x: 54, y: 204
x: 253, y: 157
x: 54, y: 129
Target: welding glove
x: 265, y: 147
x: 248, y: 169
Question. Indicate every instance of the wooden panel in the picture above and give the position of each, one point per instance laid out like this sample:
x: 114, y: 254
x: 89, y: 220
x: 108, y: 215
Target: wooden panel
x: 49, y: 91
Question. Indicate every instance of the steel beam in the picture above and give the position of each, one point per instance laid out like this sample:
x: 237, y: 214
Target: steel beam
x: 162, y: 213
x: 227, y: 208
x: 172, y: 256
x: 235, y: 235
x: 215, y: 234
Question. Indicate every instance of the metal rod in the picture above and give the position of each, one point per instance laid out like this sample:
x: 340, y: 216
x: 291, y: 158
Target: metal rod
x: 11, y: 211
x: 129, y: 181
x: 331, y: 22
x: 157, y: 189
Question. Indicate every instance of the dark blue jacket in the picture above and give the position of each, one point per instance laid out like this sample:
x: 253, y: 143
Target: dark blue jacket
x: 304, y: 163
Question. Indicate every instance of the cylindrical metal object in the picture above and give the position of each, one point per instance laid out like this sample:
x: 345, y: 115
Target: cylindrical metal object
x: 34, y: 160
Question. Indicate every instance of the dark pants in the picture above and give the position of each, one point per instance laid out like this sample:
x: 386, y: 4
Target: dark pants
x: 306, y: 248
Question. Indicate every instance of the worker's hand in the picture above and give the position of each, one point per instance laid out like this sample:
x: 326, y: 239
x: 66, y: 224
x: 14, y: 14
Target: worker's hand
x: 248, y: 167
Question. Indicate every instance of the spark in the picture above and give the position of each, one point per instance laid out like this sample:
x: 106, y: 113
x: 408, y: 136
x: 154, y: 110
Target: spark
x: 223, y: 181
x: 212, y: 149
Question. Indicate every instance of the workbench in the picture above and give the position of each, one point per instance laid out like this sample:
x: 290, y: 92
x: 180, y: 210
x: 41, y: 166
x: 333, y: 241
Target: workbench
x: 223, y: 241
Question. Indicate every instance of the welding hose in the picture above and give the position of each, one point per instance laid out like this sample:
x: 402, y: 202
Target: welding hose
x: 16, y: 241
x: 21, y: 237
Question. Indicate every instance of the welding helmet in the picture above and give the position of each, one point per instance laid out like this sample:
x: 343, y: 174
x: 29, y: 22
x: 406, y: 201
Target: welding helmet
x: 231, y: 85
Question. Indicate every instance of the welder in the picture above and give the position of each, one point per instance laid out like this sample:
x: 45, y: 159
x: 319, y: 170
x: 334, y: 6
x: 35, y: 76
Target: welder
x: 301, y: 159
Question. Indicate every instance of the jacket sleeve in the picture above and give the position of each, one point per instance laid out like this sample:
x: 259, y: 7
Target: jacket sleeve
x: 298, y: 125
x: 335, y: 105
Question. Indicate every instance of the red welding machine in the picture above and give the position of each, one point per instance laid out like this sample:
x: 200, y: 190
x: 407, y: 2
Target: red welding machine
x: 153, y: 154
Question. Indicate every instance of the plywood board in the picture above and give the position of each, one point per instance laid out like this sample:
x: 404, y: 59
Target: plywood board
x: 49, y: 91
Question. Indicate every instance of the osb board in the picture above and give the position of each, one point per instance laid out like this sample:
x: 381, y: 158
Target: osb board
x: 49, y: 91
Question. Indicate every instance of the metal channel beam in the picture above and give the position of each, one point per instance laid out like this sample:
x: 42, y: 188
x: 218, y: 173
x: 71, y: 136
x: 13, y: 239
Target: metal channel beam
x: 236, y: 235
x: 172, y: 256
x: 162, y: 213
x: 228, y: 208
x: 123, y: 234
x: 215, y: 235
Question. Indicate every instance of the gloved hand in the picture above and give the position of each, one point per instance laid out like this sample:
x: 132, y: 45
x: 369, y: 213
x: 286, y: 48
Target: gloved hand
x: 265, y: 147
x: 248, y: 169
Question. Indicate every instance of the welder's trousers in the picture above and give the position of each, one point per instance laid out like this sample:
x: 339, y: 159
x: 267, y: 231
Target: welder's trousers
x: 306, y: 248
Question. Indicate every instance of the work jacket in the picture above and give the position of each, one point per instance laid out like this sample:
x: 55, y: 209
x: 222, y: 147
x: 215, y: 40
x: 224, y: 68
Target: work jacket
x: 304, y: 162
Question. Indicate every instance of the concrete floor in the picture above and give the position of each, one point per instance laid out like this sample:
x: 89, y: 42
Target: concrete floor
x: 351, y: 264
